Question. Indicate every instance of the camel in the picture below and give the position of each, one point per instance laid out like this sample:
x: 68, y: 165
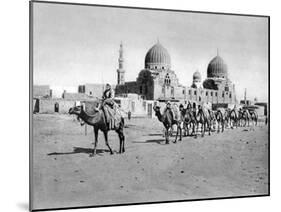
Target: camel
x: 168, y: 121
x: 220, y: 120
x: 234, y: 118
x: 245, y: 116
x: 254, y: 116
x: 212, y: 119
x: 98, y: 121
x: 203, y: 118
x: 226, y: 116
x: 188, y: 119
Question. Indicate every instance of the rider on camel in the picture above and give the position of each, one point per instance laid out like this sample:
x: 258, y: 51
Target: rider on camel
x: 172, y: 111
x: 107, y: 100
x: 108, y: 95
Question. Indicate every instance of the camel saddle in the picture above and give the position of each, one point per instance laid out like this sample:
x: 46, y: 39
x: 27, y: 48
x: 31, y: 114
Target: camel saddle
x: 112, y: 115
x: 111, y: 112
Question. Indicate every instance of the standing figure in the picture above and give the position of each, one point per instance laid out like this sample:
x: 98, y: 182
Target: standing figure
x: 129, y: 115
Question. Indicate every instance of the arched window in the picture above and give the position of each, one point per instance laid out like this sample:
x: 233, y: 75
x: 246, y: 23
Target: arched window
x: 167, y: 80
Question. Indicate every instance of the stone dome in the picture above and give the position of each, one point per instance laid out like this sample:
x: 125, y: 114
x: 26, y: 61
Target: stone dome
x: 157, y: 57
x: 197, y: 76
x: 217, y: 68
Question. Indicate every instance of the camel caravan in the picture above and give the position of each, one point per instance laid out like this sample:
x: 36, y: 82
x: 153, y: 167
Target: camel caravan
x: 105, y: 115
x: 190, y: 120
x: 190, y: 117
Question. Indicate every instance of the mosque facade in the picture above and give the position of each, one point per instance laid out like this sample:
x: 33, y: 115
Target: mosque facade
x: 158, y: 81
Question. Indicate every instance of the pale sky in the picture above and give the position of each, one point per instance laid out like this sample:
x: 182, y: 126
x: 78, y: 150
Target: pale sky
x: 79, y: 44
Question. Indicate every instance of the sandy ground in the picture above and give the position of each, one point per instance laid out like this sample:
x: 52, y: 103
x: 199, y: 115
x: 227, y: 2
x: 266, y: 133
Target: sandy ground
x: 233, y: 163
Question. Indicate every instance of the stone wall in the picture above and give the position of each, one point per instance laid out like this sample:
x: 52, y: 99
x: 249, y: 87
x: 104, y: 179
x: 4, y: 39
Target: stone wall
x: 41, y: 91
x: 74, y: 96
x: 48, y: 105
x: 93, y: 90
x: 136, y: 105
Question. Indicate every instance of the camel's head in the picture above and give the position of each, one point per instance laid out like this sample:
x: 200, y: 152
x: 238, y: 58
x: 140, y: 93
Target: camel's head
x: 75, y: 110
x: 181, y: 107
x: 156, y: 108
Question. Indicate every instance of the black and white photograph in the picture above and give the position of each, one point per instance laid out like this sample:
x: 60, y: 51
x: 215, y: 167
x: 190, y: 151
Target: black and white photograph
x: 135, y: 105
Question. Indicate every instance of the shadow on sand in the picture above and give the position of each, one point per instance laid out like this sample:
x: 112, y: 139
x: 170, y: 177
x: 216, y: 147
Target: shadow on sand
x: 155, y: 134
x: 157, y: 141
x: 77, y: 150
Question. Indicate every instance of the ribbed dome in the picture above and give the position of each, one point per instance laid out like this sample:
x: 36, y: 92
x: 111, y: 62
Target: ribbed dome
x: 157, y: 57
x: 197, y: 76
x: 217, y: 68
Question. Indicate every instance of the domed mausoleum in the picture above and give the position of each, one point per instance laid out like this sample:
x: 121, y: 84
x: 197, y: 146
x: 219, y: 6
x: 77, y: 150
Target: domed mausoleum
x: 217, y: 74
x: 157, y: 57
x: 217, y: 68
x: 157, y: 80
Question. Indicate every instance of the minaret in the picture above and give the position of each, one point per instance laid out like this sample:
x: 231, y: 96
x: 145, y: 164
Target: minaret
x: 120, y: 70
x: 245, y: 96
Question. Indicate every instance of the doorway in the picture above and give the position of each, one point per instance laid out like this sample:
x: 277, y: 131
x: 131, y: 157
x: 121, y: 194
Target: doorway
x: 56, y: 107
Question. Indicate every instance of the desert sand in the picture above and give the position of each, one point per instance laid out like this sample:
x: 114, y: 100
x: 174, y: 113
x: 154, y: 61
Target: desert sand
x: 233, y: 163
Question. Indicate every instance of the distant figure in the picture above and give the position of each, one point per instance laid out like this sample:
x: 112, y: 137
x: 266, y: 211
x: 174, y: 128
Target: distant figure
x: 129, y: 115
x: 265, y: 120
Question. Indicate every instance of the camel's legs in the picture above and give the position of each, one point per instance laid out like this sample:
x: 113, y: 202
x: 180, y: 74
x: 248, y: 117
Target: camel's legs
x: 193, y: 129
x: 123, y: 141
x: 177, y: 134
x: 203, y: 129
x: 120, y: 141
x: 167, y: 135
x: 96, y: 132
x: 106, y: 141
x: 180, y: 132
x: 197, y: 128
x: 176, y: 137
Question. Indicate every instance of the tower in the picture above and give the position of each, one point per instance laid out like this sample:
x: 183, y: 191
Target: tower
x: 120, y: 70
x: 245, y: 96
